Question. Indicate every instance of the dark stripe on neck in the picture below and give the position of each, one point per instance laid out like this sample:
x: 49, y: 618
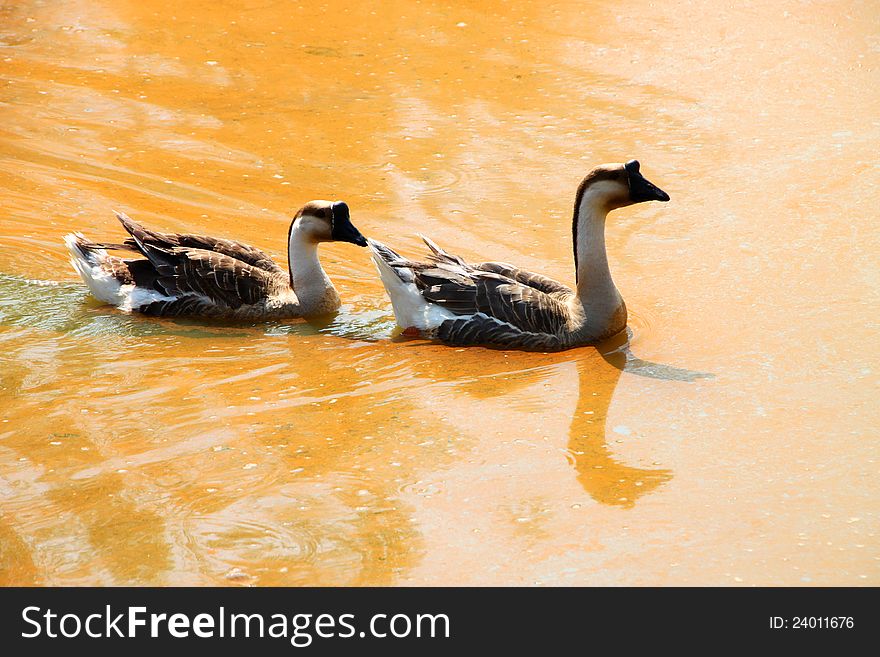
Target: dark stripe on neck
x: 290, y: 264
x: 578, y: 197
x: 594, y: 176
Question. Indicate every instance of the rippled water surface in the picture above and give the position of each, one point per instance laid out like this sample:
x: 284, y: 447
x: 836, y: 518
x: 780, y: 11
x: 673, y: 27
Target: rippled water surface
x: 730, y: 438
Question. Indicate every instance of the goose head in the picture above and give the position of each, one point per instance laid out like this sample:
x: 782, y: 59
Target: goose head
x: 612, y: 186
x: 606, y: 188
x: 327, y: 221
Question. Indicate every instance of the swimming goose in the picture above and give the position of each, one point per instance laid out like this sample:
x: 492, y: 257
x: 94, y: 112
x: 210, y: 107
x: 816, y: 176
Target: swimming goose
x: 498, y: 305
x: 205, y: 276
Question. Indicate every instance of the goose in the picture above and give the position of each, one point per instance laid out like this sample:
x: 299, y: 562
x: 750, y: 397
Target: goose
x: 495, y: 304
x: 196, y: 275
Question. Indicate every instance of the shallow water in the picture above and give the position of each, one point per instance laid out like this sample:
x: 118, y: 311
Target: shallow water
x: 729, y: 438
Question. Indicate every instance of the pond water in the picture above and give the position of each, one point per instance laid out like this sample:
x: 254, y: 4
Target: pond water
x: 729, y: 438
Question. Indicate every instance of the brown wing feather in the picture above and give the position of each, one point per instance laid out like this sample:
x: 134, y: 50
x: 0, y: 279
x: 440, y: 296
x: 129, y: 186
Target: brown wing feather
x: 220, y: 278
x: 531, y: 279
x: 495, y: 289
x: 500, y: 305
x: 237, y: 250
x: 138, y: 272
x: 486, y: 331
x: 539, y: 282
x: 470, y: 292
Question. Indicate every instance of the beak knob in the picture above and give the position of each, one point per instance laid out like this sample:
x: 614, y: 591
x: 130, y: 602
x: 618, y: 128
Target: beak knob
x: 641, y: 189
x: 343, y: 230
x: 340, y: 210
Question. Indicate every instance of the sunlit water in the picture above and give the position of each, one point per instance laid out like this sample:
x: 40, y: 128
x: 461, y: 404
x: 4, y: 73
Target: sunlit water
x: 729, y: 438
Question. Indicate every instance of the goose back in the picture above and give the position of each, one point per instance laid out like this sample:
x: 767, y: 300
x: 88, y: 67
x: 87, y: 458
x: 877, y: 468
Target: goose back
x: 490, y: 304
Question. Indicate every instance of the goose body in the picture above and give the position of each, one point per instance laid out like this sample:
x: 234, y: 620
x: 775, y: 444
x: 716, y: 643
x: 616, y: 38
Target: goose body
x: 496, y: 304
x: 171, y: 274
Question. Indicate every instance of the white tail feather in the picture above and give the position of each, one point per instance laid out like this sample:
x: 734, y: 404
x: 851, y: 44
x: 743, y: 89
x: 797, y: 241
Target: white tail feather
x: 102, y: 284
x: 411, y: 309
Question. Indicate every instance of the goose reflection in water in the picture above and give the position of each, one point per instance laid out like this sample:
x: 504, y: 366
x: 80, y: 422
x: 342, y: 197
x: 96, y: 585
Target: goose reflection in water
x: 602, y: 476
x: 502, y: 375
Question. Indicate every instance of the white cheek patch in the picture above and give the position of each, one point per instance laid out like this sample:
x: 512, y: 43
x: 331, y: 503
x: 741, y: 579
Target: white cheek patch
x: 604, y: 192
x: 313, y: 229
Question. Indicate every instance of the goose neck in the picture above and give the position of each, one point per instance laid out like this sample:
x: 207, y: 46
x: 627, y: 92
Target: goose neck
x: 596, y: 291
x: 307, y: 277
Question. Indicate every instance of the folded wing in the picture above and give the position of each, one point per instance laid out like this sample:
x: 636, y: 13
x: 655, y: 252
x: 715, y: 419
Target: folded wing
x: 191, y: 276
x: 167, y: 241
x: 499, y: 304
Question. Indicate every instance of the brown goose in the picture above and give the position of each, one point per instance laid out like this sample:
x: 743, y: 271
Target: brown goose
x: 210, y: 277
x: 496, y: 304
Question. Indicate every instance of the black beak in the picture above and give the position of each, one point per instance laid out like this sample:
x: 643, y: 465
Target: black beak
x: 343, y: 229
x: 640, y: 188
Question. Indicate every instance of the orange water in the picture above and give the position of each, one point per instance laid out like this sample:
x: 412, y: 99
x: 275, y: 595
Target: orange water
x: 731, y: 440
